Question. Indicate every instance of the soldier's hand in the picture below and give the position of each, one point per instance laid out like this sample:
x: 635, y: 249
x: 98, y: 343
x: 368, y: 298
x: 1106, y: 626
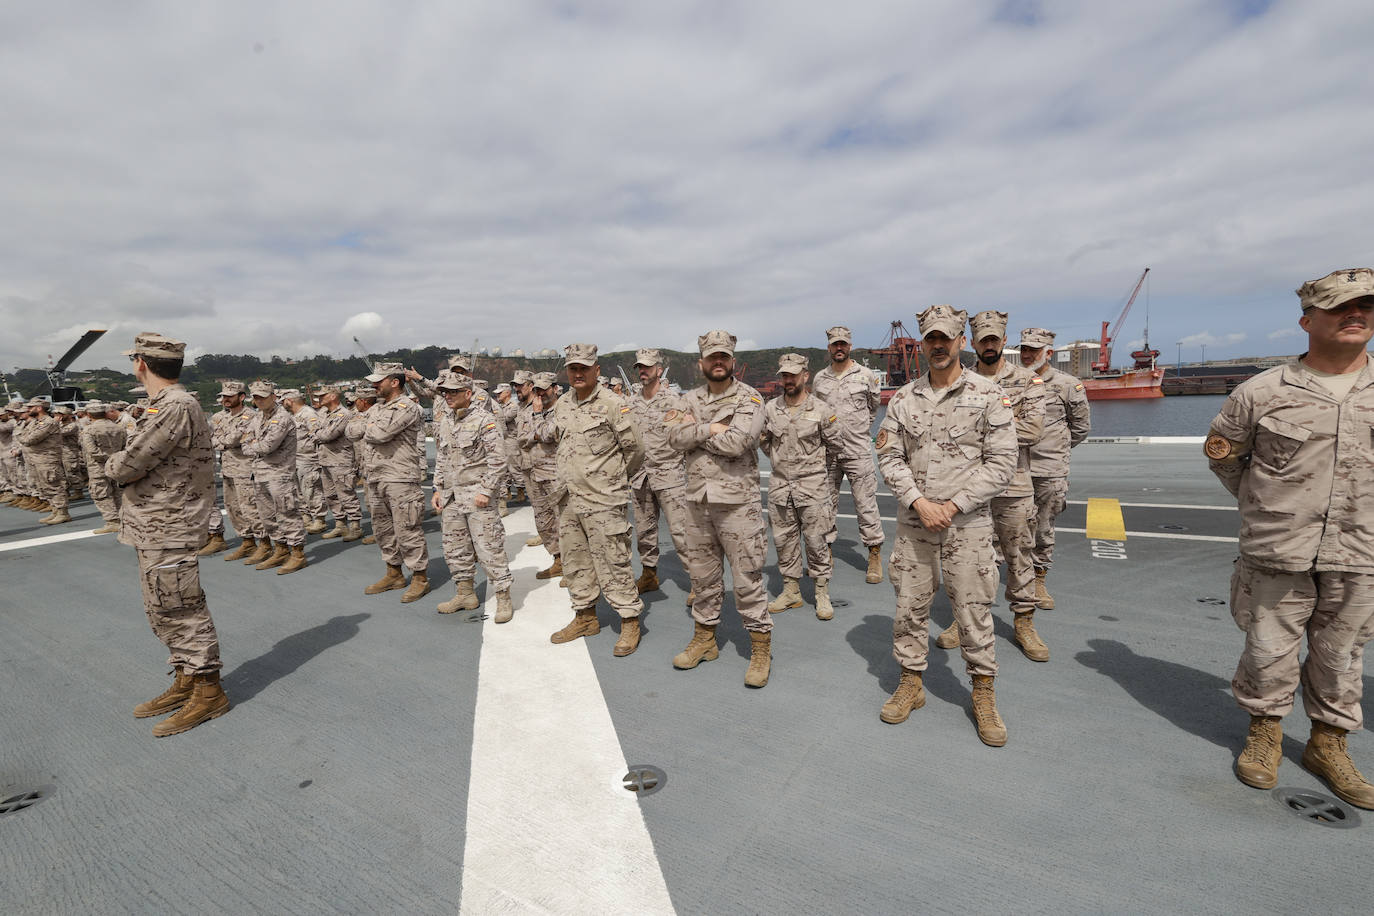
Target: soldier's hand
x: 413, y: 375
x: 437, y: 501
x: 536, y: 403
x: 718, y: 428
x: 481, y: 501
x: 932, y: 514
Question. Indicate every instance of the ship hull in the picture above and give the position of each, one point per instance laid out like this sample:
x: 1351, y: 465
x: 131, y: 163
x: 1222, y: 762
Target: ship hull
x: 1132, y: 385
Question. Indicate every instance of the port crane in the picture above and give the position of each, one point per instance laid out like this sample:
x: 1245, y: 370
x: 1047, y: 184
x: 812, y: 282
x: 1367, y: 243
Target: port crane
x: 1144, y: 357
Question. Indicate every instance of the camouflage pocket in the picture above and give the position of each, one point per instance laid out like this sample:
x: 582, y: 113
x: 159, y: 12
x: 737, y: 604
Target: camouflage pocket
x: 174, y: 586
x: 1242, y: 600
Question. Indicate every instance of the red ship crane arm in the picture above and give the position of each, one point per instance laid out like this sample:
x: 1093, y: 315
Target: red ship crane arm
x: 1104, y: 347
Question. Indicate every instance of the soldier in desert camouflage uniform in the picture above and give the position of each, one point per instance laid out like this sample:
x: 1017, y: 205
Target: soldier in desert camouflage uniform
x: 718, y: 430
x: 72, y: 464
x: 394, y: 493
x: 9, y: 482
x: 599, y: 450
x: 520, y: 390
x: 360, y: 401
x: 41, y: 439
x: 100, y: 439
x: 228, y: 429
x: 167, y: 471
x: 800, y: 433
x: 309, y: 482
x: 661, y: 482
x: 271, y: 443
x: 1067, y: 423
x: 338, y: 465
x: 539, y: 447
x: 1295, y: 446
x: 469, y: 472
x: 946, y: 447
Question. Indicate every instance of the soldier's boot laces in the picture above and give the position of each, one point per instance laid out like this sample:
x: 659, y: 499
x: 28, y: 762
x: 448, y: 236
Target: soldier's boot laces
x: 280, y: 554
x: 207, y: 702
x: 354, y: 533
x: 338, y: 531
x: 467, y: 595
x: 909, y: 695
x: 991, y: 730
x: 648, y: 580
x: 875, y: 564
x: 58, y: 517
x: 1043, y: 599
x: 393, y: 579
x: 629, y: 637
x: 760, y: 659
x: 1327, y: 756
x: 949, y: 637
x: 260, y: 553
x: 1032, y: 646
x: 504, y: 609
x: 246, y: 547
x: 172, y: 698
x: 555, y: 570
x: 534, y: 541
x: 295, y: 561
x: 584, y: 623
x: 824, y: 609
x: 790, y: 597
x: 701, y: 648
x: 418, y: 588
x: 1258, y: 763
x: 212, y: 546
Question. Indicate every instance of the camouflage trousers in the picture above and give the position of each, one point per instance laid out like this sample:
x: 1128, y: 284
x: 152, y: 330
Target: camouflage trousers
x: 397, y: 509
x: 1051, y: 497
x: 863, y: 484
x: 545, y: 511
x: 963, y: 557
x: 50, y: 480
x: 1013, y: 521
x: 241, y: 501
x: 514, y: 477
x: 340, y: 493
x: 718, y: 532
x: 648, y: 502
x: 279, y: 509
x: 596, y: 559
x: 176, y: 608
x: 311, y: 489
x: 1275, y: 609
x: 791, y: 522
x: 106, y: 496
x: 471, y: 535
x: 76, y: 474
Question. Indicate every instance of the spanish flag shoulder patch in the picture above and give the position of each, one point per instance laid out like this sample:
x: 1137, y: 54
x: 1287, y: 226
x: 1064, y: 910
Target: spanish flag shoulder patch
x: 625, y: 409
x: 152, y: 410
x: 488, y: 426
x: 756, y: 399
x: 1006, y: 401
x: 1078, y: 387
x: 1037, y: 381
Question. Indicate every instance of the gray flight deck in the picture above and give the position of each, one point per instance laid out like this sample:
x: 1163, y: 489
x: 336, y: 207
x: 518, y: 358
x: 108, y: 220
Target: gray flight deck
x: 339, y: 781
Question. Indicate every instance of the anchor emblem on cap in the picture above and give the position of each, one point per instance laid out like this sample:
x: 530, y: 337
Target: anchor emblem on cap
x: 1350, y: 277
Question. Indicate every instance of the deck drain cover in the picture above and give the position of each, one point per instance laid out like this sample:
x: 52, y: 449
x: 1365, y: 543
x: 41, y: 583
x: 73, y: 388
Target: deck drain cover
x: 1316, y: 808
x: 16, y: 803
x: 644, y: 779
x: 475, y: 618
x: 1173, y: 527
x: 1214, y: 601
x: 839, y: 602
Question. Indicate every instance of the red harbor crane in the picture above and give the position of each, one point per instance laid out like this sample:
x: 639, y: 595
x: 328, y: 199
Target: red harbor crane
x: 1145, y: 357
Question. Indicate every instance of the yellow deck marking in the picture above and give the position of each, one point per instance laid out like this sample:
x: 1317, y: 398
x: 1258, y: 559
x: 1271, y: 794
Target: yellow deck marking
x: 1104, y: 520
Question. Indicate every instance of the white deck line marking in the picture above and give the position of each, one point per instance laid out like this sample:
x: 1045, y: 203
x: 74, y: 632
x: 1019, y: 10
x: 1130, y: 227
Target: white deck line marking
x: 549, y: 827
x: 1129, y: 534
x: 1084, y: 502
x: 48, y: 539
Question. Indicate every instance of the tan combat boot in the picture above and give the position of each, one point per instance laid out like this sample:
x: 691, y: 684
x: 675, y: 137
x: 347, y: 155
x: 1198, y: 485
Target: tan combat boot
x: 875, y: 565
x: 648, y: 580
x: 393, y: 579
x: 504, y: 609
x: 909, y: 695
x: 280, y: 554
x: 172, y: 698
x: 584, y: 623
x: 701, y: 648
x: 991, y: 730
x: 370, y: 539
x: 1043, y: 599
x: 691, y: 597
x: 1032, y: 646
x: 58, y: 517
x: 824, y: 609
x: 629, y: 637
x: 534, y: 541
x: 355, y: 532
x: 465, y: 600
x: 294, y: 562
x: 212, y: 546
x: 1258, y: 763
x: 315, y: 527
x: 108, y: 528
x: 338, y: 531
x: 419, y: 587
x: 260, y: 553
x: 7, y: 498
x: 207, y: 701
x: 791, y: 596
x: 949, y: 637
x: 555, y: 570
x: 246, y: 546
x: 1327, y: 756
x: 760, y: 659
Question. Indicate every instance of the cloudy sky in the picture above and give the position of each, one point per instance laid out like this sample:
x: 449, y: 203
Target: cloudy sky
x: 275, y: 177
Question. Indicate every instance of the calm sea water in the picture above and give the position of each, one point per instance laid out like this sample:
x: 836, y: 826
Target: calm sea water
x: 1188, y: 415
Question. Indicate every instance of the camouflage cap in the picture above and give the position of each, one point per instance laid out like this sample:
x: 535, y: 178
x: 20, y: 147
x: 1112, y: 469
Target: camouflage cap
x: 603, y: 381
x: 365, y: 391
x: 838, y: 332
x: 504, y: 386
x: 262, y: 389
x: 791, y: 364
x: 291, y: 393
x: 522, y: 377
x: 1336, y: 289
x: 325, y: 387
x: 151, y: 343
x: 717, y: 342
x: 946, y: 319
x: 231, y: 388
x: 142, y: 402
x: 648, y: 356
x: 988, y: 323
x: 460, y: 361
x: 385, y: 370
x: 37, y: 402
x: 63, y: 409
x: 121, y: 405
x: 452, y: 381
x: 1037, y: 337
x: 95, y: 407
x: 544, y: 380
x: 579, y: 354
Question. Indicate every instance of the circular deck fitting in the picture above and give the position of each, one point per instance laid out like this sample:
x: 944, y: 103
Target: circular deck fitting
x: 839, y: 602
x: 644, y: 779
x: 1173, y: 527
x: 17, y: 803
x: 1316, y: 808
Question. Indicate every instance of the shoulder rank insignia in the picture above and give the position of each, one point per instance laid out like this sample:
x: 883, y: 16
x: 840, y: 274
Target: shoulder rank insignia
x: 882, y: 437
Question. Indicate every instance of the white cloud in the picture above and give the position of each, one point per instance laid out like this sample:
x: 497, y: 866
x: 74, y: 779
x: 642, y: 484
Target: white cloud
x: 1285, y: 333
x: 1208, y: 339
